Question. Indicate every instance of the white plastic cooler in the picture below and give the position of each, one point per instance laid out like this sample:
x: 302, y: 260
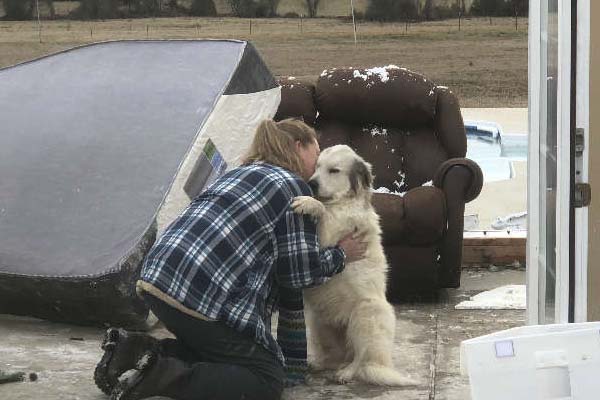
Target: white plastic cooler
x: 540, y: 362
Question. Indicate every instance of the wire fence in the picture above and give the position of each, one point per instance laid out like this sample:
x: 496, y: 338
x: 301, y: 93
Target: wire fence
x: 57, y: 31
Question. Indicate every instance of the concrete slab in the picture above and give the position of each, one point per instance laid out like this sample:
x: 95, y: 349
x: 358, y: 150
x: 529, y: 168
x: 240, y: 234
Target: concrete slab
x: 455, y: 326
x: 427, y: 343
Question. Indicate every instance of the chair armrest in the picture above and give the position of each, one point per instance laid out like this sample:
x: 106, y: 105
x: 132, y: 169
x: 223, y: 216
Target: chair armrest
x: 461, y: 180
x: 473, y: 175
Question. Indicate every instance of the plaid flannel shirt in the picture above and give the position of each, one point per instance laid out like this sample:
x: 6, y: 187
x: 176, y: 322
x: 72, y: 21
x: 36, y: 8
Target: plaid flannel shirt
x: 229, y: 252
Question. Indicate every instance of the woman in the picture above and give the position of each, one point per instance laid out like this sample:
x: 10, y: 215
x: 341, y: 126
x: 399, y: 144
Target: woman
x: 217, y: 273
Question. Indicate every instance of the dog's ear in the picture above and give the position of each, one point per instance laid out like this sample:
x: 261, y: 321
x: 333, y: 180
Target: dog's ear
x: 360, y: 174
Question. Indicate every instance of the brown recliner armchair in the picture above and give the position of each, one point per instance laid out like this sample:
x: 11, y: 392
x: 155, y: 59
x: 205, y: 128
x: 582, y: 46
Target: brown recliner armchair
x: 412, y: 133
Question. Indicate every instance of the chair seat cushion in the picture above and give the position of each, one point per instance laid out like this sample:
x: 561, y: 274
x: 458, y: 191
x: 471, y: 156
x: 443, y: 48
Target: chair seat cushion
x: 417, y: 218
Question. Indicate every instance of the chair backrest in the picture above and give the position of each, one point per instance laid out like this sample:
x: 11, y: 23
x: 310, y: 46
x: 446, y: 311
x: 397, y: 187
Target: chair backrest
x: 397, y: 120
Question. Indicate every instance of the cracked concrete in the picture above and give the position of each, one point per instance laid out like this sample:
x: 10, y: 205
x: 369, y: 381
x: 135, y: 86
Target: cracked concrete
x: 427, y: 347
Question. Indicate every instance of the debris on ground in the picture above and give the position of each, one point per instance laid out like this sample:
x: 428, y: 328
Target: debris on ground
x: 9, y: 377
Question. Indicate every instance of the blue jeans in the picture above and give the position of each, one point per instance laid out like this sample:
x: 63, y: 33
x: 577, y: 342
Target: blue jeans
x: 220, y: 363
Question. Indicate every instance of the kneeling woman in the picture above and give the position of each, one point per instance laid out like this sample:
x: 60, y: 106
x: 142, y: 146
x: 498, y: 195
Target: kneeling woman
x: 237, y: 253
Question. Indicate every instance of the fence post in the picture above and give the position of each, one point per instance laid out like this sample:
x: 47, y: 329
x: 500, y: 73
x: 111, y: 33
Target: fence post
x: 147, y: 31
x: 353, y: 22
x: 250, y: 26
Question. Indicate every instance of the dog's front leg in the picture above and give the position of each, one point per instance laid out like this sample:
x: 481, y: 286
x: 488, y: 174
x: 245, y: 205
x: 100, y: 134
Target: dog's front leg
x: 308, y: 206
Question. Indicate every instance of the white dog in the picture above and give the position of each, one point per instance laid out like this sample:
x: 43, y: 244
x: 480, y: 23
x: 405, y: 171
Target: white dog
x: 350, y: 320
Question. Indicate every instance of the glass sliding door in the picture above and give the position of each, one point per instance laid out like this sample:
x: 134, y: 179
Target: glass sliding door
x: 547, y: 160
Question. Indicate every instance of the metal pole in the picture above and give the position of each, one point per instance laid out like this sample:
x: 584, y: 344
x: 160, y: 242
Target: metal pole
x: 353, y: 20
x: 37, y: 6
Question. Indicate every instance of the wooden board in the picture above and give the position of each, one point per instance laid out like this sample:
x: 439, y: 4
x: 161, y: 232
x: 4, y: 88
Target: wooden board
x: 498, y: 248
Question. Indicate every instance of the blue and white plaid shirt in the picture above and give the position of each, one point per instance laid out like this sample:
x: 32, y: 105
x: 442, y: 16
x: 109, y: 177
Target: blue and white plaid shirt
x: 235, y: 244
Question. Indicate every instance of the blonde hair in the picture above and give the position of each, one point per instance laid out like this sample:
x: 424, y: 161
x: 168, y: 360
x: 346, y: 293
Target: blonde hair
x: 275, y: 143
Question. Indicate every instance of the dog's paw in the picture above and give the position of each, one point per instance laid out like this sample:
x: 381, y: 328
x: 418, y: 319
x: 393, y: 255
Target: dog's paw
x: 345, y: 375
x: 308, y: 206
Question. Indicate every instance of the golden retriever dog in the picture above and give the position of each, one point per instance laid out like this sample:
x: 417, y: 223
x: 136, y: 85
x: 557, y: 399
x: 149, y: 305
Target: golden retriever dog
x: 351, y: 324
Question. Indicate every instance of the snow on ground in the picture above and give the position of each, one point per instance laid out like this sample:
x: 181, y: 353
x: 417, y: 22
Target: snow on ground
x: 509, y: 297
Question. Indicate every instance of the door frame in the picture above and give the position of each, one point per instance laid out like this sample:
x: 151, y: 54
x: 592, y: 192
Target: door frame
x: 582, y: 121
x: 537, y: 93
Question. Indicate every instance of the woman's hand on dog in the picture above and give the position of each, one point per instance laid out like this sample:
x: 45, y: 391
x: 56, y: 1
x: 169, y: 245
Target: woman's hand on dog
x: 354, y: 247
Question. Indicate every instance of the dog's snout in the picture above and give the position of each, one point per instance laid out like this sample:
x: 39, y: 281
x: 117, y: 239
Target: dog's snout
x: 314, y: 185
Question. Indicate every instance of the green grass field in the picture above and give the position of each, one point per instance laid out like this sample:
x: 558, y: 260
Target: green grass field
x: 485, y: 65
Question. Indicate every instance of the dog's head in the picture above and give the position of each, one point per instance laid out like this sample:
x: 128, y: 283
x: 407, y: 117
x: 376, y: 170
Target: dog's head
x: 341, y: 174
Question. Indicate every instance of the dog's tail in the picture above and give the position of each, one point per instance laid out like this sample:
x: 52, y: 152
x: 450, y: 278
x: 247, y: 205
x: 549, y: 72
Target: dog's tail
x: 384, y: 376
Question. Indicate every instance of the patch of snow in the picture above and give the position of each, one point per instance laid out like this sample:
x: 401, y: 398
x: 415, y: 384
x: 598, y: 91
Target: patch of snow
x: 509, y: 297
x: 324, y: 73
x: 381, y: 72
x: 357, y: 74
x: 349, y: 80
x: 428, y: 183
x: 393, y: 150
x: 402, y: 182
x: 128, y: 375
x: 517, y: 221
x: 376, y: 131
x: 430, y: 92
x: 143, y: 362
x: 383, y: 189
x: 442, y: 87
x: 291, y: 86
x: 291, y: 78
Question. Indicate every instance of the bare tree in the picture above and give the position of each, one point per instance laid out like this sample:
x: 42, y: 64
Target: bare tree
x: 17, y: 9
x: 312, y: 6
x: 272, y: 5
x: 51, y: 10
x: 428, y: 9
x: 203, y: 8
x: 490, y: 8
x: 95, y: 9
x: 520, y: 8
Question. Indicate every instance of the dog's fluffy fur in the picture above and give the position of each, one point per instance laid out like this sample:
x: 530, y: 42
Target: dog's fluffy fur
x: 350, y: 321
